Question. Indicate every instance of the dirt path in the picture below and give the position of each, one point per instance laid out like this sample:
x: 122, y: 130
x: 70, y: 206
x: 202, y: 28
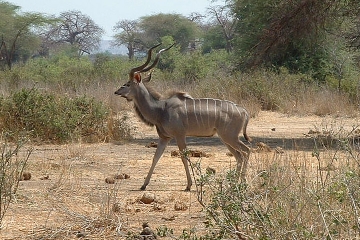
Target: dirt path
x: 67, y: 194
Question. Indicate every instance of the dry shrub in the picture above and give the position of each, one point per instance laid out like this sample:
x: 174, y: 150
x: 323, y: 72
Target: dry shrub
x: 321, y: 102
x: 12, y: 164
x: 328, y: 102
x: 256, y: 90
x: 266, y: 90
x: 49, y: 118
x: 218, y: 87
x: 293, y: 195
x: 120, y: 127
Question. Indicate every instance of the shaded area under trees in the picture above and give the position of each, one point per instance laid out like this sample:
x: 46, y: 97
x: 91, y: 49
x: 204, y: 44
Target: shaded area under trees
x: 298, y: 35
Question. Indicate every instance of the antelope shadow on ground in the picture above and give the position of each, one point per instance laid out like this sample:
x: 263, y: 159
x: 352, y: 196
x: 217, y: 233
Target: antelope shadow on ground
x: 302, y: 144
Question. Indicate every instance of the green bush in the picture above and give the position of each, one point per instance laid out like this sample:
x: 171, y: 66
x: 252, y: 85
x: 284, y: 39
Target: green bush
x: 48, y: 118
x: 202, y: 75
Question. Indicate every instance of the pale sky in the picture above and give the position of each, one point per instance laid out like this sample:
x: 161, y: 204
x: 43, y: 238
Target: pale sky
x: 106, y: 13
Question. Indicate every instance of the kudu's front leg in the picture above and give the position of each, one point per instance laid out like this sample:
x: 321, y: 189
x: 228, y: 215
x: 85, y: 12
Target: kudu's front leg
x: 162, y: 143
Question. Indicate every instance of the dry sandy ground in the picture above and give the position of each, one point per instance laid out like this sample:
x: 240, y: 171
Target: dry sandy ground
x: 67, y: 197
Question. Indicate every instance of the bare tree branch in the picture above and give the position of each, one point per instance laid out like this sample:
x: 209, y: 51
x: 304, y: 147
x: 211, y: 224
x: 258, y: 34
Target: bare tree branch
x: 128, y: 36
x: 78, y: 30
x: 227, y: 21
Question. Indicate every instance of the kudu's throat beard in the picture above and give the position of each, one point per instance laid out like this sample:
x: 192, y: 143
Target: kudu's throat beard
x: 127, y: 98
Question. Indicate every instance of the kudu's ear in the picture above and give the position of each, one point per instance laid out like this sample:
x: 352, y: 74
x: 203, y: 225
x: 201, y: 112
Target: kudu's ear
x: 148, y: 77
x: 137, y: 77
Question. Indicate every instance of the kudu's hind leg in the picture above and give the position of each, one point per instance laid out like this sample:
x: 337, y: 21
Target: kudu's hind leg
x: 158, y: 153
x: 241, y: 153
x: 239, y: 162
x: 185, y: 159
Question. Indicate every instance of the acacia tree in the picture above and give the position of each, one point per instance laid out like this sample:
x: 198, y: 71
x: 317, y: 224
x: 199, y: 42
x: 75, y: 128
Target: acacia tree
x: 139, y: 35
x: 226, y: 20
x: 294, y: 33
x: 128, y: 36
x: 181, y: 29
x: 17, y: 32
x: 78, y: 30
x: 213, y: 38
x: 353, y: 13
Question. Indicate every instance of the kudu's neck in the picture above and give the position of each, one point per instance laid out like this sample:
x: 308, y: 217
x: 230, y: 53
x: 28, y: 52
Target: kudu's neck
x: 147, y: 106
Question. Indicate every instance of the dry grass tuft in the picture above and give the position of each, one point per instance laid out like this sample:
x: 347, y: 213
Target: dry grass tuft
x: 292, y: 195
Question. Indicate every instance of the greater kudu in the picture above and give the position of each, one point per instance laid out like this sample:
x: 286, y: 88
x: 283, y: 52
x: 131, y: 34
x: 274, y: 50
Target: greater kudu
x: 181, y: 115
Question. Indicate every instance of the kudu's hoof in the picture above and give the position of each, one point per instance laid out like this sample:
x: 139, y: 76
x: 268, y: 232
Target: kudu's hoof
x: 143, y: 188
x: 187, y: 189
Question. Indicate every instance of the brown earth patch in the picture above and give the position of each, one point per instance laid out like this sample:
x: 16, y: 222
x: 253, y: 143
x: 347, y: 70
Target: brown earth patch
x: 75, y: 201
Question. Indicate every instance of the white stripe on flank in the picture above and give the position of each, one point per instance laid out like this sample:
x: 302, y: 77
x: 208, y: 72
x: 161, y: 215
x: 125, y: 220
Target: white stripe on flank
x: 227, y: 114
x: 207, y: 111
x: 201, y: 111
x: 220, y: 111
x: 186, y: 113
x: 227, y: 111
x: 215, y: 110
x: 238, y: 110
x: 197, y: 122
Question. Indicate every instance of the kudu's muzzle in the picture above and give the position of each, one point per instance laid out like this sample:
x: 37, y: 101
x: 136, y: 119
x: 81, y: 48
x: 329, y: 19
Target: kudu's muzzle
x: 123, y: 93
x: 117, y: 92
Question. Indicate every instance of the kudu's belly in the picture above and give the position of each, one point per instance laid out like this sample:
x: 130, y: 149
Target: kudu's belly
x: 201, y: 132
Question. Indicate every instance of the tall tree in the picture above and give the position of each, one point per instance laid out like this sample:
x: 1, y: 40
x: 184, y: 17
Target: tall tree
x: 181, y: 29
x: 128, y: 35
x: 213, y: 38
x: 353, y: 13
x: 291, y: 33
x: 139, y: 35
x: 78, y: 30
x: 17, y: 32
x: 226, y: 20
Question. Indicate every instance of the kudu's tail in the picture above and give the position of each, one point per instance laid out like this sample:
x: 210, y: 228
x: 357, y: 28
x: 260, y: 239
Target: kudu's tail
x: 247, y: 138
